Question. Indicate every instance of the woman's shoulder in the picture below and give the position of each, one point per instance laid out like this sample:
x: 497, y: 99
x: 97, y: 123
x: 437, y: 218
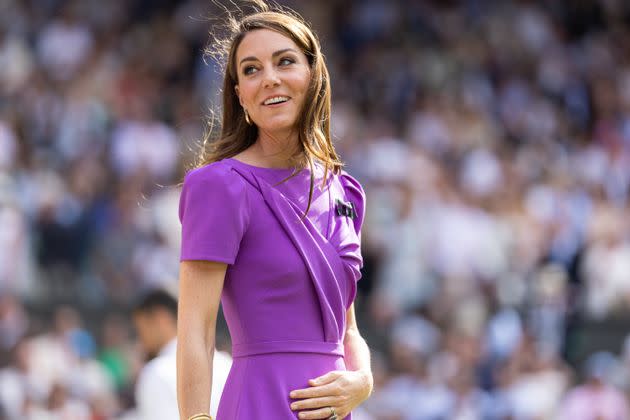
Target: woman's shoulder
x: 218, y: 170
x: 351, y: 185
x: 217, y: 175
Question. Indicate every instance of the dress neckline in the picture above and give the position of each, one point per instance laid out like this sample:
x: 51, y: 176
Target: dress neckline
x: 258, y: 167
x: 262, y: 169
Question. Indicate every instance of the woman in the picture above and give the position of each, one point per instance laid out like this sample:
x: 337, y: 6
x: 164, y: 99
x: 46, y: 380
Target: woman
x: 271, y: 228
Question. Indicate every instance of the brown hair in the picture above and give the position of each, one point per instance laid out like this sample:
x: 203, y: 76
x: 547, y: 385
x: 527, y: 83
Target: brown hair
x: 313, y: 123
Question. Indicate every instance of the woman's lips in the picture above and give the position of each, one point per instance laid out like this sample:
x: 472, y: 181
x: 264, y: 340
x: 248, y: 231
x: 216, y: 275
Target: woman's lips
x: 277, y: 104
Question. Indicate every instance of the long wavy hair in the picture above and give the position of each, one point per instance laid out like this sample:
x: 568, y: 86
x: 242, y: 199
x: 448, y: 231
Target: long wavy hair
x: 313, y: 122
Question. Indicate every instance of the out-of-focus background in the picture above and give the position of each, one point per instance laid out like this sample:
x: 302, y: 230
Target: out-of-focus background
x: 492, y: 138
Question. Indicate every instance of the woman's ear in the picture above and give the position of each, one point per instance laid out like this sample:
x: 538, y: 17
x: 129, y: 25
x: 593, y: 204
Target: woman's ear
x: 238, y: 94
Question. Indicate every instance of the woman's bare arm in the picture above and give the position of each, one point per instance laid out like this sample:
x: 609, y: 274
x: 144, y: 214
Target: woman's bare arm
x: 200, y: 285
x: 356, y: 349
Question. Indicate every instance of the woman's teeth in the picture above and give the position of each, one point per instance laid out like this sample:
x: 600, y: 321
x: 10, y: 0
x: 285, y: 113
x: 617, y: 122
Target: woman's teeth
x: 275, y: 100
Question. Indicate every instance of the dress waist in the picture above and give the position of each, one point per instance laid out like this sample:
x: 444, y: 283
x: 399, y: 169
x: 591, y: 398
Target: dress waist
x: 287, y: 346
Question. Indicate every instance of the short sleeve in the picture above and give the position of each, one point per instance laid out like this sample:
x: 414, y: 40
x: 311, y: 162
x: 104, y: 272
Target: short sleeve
x: 350, y: 251
x: 214, y: 214
x: 355, y: 194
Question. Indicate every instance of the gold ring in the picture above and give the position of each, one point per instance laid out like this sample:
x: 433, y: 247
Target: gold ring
x: 333, y: 414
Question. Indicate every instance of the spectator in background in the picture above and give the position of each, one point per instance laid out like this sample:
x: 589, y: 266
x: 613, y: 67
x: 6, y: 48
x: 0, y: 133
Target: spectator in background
x: 16, y: 381
x: 155, y: 320
x: 59, y: 405
x: 493, y: 139
x: 596, y: 398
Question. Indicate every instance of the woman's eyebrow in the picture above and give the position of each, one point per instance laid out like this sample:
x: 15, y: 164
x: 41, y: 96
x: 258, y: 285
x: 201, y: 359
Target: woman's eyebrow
x: 275, y: 54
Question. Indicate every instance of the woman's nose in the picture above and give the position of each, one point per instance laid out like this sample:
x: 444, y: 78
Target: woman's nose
x: 271, y: 79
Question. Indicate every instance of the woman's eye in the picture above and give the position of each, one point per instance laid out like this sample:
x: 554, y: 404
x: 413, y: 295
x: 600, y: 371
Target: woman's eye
x: 286, y: 61
x: 249, y: 70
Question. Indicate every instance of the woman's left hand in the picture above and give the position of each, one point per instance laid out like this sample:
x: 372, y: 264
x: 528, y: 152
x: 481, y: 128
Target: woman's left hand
x: 340, y: 389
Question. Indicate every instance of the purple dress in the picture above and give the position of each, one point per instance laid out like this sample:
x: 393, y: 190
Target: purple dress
x: 289, y: 281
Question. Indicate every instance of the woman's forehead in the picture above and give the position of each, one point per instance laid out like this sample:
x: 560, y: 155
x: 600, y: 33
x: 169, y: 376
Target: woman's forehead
x: 262, y: 43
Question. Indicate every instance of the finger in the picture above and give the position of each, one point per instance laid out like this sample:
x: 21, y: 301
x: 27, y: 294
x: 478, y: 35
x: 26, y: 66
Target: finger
x: 324, y: 379
x: 320, y: 413
x: 319, y: 402
x: 316, y: 391
x: 321, y: 380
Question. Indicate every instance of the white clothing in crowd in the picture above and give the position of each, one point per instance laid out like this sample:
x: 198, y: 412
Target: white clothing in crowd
x: 156, y: 389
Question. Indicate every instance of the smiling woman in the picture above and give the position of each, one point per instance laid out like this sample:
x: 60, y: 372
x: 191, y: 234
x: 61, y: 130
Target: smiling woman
x: 310, y: 135
x: 258, y: 237
x: 274, y: 76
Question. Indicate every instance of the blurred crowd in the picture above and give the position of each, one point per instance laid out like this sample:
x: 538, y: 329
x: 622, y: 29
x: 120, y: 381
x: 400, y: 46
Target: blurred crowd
x: 493, y: 141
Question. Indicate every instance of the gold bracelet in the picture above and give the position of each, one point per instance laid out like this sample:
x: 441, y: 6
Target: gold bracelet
x: 200, y: 416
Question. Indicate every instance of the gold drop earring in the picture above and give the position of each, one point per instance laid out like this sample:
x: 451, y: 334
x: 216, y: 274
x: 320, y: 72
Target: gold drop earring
x: 249, y: 122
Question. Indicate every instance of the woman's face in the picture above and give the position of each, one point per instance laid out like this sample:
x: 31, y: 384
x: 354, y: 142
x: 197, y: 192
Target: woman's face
x: 273, y: 77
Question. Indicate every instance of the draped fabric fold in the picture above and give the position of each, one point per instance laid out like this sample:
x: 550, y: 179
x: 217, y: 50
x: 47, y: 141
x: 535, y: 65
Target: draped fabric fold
x: 321, y: 258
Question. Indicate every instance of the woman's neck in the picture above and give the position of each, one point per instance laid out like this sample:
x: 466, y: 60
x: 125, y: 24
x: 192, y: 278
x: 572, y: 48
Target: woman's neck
x: 274, y: 150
